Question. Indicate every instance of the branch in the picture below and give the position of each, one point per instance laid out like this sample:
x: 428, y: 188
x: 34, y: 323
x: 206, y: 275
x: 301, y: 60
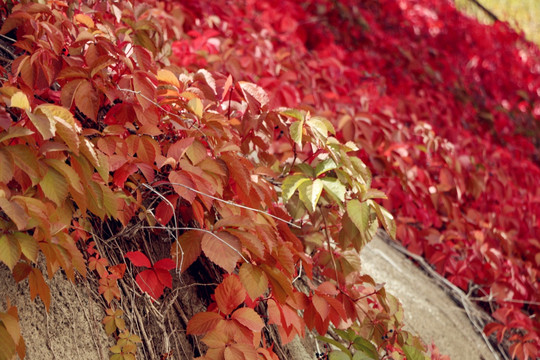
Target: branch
x: 234, y: 204
x: 491, y: 15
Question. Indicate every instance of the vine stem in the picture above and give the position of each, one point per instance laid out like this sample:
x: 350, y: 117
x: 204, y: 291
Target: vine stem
x: 201, y: 230
x: 235, y: 204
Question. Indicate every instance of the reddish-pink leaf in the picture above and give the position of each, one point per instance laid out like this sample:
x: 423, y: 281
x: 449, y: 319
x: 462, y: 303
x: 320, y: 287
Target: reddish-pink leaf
x: 222, y: 249
x: 138, y: 259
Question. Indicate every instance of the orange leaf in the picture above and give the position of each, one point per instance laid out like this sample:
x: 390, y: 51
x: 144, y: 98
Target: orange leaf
x: 177, y: 150
x: 222, y: 249
x: 202, y: 323
x: 249, y: 318
x: 230, y: 294
x: 87, y: 99
x: 240, y: 351
x: 190, y: 244
x: 253, y: 279
x: 38, y: 286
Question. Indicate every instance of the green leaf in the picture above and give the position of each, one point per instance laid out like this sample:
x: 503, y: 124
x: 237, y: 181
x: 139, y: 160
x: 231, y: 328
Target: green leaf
x: 328, y: 125
x: 325, y: 166
x: 386, y: 219
x: 306, y: 169
x: 290, y: 184
x: 366, y: 347
x: 334, y: 187
x: 318, y: 127
x: 333, y: 342
x: 294, y: 113
x: 360, y: 355
x: 339, y: 355
x: 413, y: 353
x: 363, y: 170
x: 54, y: 186
x: 10, y: 251
x: 296, y: 132
x: 359, y: 214
x: 310, y: 193
x: 28, y: 245
x: 373, y: 194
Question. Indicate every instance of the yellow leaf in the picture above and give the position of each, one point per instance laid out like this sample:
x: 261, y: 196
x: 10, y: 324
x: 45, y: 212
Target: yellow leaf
x: 19, y: 100
x: 85, y: 20
x: 168, y: 77
x: 196, y: 107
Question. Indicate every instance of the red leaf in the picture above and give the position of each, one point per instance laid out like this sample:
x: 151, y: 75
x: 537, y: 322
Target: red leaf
x: 138, y: 259
x: 164, y: 277
x: 121, y: 175
x: 230, y: 294
x: 165, y: 264
x: 164, y: 211
x: 149, y: 283
x: 202, y: 323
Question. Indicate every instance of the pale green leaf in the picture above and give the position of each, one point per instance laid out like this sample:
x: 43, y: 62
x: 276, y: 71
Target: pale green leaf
x: 360, y: 355
x: 196, y: 106
x: 328, y: 125
x: 290, y: 184
x: 310, y: 192
x: 306, y: 169
x: 373, y: 194
x: 386, y: 219
x: 334, y: 187
x: 333, y: 342
x: 325, y: 166
x: 54, y: 186
x: 339, y: 355
x: 296, y: 132
x: 10, y: 251
x: 28, y: 245
x: 294, y: 113
x: 366, y: 347
x: 362, y: 170
x: 359, y: 214
x: 413, y: 353
x: 318, y: 127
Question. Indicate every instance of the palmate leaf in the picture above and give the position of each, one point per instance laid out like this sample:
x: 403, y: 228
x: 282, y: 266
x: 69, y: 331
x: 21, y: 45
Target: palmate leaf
x: 222, y: 249
x: 230, y: 294
x: 290, y: 184
x: 54, y: 186
x: 202, y: 323
x: 334, y: 187
x: 310, y: 193
x: 386, y: 219
x: 254, y: 280
x: 10, y: 251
